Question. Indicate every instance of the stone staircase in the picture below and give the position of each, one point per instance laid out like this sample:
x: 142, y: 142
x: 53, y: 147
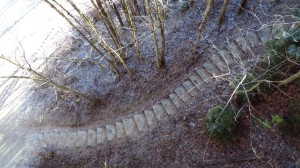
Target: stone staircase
x: 136, y: 124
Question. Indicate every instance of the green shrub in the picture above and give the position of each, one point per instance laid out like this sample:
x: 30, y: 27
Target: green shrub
x: 294, y: 51
x: 291, y: 125
x: 282, y: 56
x: 282, y: 59
x: 220, y: 123
x: 291, y: 122
x: 241, y: 98
x: 296, y: 14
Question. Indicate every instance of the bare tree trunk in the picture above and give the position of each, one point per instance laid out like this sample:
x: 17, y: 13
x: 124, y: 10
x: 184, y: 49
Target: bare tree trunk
x: 106, y: 47
x: 117, y: 13
x: 82, y: 34
x: 160, y: 18
x: 136, y: 7
x: 103, y: 19
x: 108, y: 22
x: 144, y: 7
x: 129, y: 6
x: 222, y: 13
x: 115, y: 31
x: 158, y: 63
x: 200, y: 29
x: 132, y: 27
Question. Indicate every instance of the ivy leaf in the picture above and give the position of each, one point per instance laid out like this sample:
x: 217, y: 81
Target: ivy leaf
x: 296, y: 14
x: 277, y: 119
x: 294, y: 51
x: 296, y: 35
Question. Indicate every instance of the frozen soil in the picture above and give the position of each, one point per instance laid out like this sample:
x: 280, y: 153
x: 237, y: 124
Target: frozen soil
x: 179, y: 141
x: 74, y: 65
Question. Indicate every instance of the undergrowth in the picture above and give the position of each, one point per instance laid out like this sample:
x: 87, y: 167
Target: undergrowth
x: 221, y: 123
x: 290, y: 124
x: 278, y: 67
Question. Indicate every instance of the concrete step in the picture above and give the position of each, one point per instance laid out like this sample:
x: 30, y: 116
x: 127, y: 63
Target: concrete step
x: 169, y: 106
x: 141, y: 121
x: 120, y: 130
x: 226, y: 56
x: 111, y: 132
x: 159, y: 111
x: 62, y: 137
x: 219, y: 62
x: 265, y: 33
x: 91, y: 138
x: 190, y: 87
x: 252, y: 37
x: 81, y: 139
x: 176, y: 100
x: 48, y: 139
x: 101, y: 135
x: 130, y: 127
x: 197, y: 81
x: 211, y: 68
x: 243, y: 43
x: 204, y: 74
x: 150, y: 116
x: 182, y: 94
x: 71, y: 140
x: 235, y: 50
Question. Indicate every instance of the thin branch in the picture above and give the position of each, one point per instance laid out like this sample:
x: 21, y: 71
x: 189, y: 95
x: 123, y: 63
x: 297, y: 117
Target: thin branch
x: 289, y: 79
x: 40, y: 77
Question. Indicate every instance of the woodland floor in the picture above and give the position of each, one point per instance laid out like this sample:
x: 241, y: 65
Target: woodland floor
x: 127, y: 94
x: 180, y: 140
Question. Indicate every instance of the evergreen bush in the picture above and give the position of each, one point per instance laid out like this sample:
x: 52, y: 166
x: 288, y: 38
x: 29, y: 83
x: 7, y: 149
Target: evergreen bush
x: 221, y: 123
